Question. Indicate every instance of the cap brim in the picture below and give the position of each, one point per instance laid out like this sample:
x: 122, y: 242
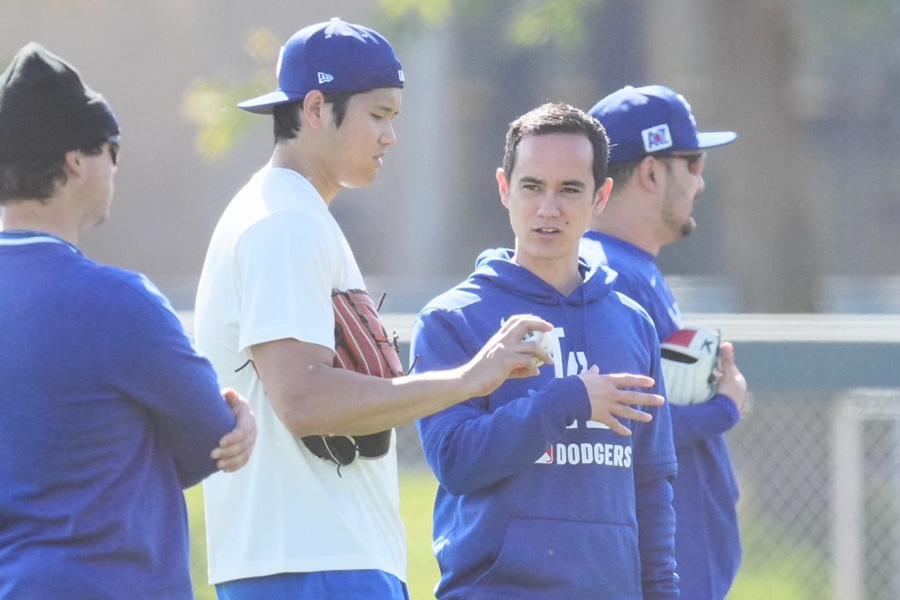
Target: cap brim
x: 263, y: 105
x: 711, y: 139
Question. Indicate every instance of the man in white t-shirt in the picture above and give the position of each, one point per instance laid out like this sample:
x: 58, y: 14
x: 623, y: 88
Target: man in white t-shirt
x: 291, y: 525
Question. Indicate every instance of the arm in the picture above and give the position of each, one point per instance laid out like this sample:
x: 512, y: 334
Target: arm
x: 471, y: 446
x: 152, y: 362
x: 236, y: 446
x: 310, y: 396
x: 286, y: 267
x: 656, y: 537
x: 696, y: 422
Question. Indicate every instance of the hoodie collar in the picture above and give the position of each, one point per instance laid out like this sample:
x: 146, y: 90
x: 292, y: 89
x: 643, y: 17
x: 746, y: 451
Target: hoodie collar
x: 495, y: 266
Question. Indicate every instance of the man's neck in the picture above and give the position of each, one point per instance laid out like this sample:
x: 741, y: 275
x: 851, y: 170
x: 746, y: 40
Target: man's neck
x: 628, y: 228
x: 564, y: 279
x: 292, y: 155
x: 31, y: 215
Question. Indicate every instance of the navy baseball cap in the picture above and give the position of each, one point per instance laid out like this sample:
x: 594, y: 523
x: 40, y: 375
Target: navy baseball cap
x: 652, y: 120
x: 333, y: 56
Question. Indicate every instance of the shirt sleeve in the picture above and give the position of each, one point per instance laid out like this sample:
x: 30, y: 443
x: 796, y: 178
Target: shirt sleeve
x: 692, y: 423
x: 654, y: 473
x: 656, y: 538
x: 152, y: 361
x: 470, y: 447
x: 286, y: 267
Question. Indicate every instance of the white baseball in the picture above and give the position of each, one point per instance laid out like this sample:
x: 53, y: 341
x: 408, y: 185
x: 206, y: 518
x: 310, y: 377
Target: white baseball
x: 544, y: 341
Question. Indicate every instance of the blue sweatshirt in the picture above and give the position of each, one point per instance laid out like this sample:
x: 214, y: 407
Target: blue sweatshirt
x: 107, y: 414
x: 707, y: 536
x: 535, y: 500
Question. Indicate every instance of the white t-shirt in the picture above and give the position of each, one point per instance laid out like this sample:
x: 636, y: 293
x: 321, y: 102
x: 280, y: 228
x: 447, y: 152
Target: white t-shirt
x: 273, y: 260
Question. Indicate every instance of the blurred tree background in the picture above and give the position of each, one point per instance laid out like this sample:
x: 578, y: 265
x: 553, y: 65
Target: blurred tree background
x: 800, y: 215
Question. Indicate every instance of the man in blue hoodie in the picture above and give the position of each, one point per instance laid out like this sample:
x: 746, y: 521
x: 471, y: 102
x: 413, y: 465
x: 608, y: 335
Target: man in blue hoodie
x: 657, y: 162
x: 554, y: 486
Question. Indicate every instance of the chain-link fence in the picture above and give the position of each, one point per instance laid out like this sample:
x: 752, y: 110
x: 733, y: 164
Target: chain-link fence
x: 820, y: 495
x: 817, y: 456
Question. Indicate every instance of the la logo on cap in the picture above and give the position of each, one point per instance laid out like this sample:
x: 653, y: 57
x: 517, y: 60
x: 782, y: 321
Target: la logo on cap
x: 657, y: 138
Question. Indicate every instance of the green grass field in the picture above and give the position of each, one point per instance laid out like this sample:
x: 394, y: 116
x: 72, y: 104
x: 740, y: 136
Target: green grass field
x: 771, y: 569
x: 416, y: 502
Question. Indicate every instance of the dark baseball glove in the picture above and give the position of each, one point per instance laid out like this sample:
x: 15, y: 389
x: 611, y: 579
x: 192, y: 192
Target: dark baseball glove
x: 361, y: 344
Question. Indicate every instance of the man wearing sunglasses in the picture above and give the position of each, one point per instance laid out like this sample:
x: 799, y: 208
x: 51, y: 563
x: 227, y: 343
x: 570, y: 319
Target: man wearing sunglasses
x: 108, y: 410
x: 316, y: 512
x: 656, y: 164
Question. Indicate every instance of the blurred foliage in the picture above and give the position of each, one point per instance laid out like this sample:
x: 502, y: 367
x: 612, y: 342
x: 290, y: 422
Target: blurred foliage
x: 210, y: 103
x: 431, y: 12
x: 530, y: 23
x: 840, y: 19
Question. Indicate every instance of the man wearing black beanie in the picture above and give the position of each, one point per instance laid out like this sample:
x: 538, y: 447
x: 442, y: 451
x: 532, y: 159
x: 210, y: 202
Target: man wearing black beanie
x: 109, y: 411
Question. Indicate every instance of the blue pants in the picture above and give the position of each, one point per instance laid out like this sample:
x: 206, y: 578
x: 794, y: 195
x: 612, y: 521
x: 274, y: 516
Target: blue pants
x: 324, y: 585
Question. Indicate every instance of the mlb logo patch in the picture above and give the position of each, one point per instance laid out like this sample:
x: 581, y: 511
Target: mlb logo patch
x: 656, y: 138
x: 547, y: 458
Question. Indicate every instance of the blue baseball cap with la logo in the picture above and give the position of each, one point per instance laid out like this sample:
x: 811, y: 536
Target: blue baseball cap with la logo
x: 652, y: 120
x: 334, y: 56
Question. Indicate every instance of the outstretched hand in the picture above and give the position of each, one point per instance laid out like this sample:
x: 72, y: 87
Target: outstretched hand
x: 609, y: 400
x: 236, y: 446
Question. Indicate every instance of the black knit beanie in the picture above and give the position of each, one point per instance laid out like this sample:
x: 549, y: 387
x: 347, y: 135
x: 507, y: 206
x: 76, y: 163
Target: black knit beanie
x: 46, y: 110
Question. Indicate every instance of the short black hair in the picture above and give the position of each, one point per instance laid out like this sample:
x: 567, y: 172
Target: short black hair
x: 559, y: 118
x: 287, y: 116
x: 621, y: 173
x: 36, y: 178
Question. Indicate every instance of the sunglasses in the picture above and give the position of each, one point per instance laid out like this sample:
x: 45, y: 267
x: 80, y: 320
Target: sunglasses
x: 114, y: 149
x: 694, y: 160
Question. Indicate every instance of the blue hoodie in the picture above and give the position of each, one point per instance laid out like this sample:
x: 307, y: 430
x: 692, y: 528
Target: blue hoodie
x: 707, y: 540
x: 535, y: 500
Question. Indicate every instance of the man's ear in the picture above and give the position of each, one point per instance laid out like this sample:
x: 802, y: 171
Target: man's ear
x: 312, y: 109
x: 74, y: 162
x: 503, y: 187
x: 647, y: 173
x: 601, y: 197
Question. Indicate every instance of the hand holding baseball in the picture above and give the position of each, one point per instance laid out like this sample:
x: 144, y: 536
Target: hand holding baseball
x: 505, y: 356
x: 544, y: 346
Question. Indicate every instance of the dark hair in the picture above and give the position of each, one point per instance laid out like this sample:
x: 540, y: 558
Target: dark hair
x: 36, y: 178
x: 621, y: 173
x: 558, y: 118
x: 287, y: 116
